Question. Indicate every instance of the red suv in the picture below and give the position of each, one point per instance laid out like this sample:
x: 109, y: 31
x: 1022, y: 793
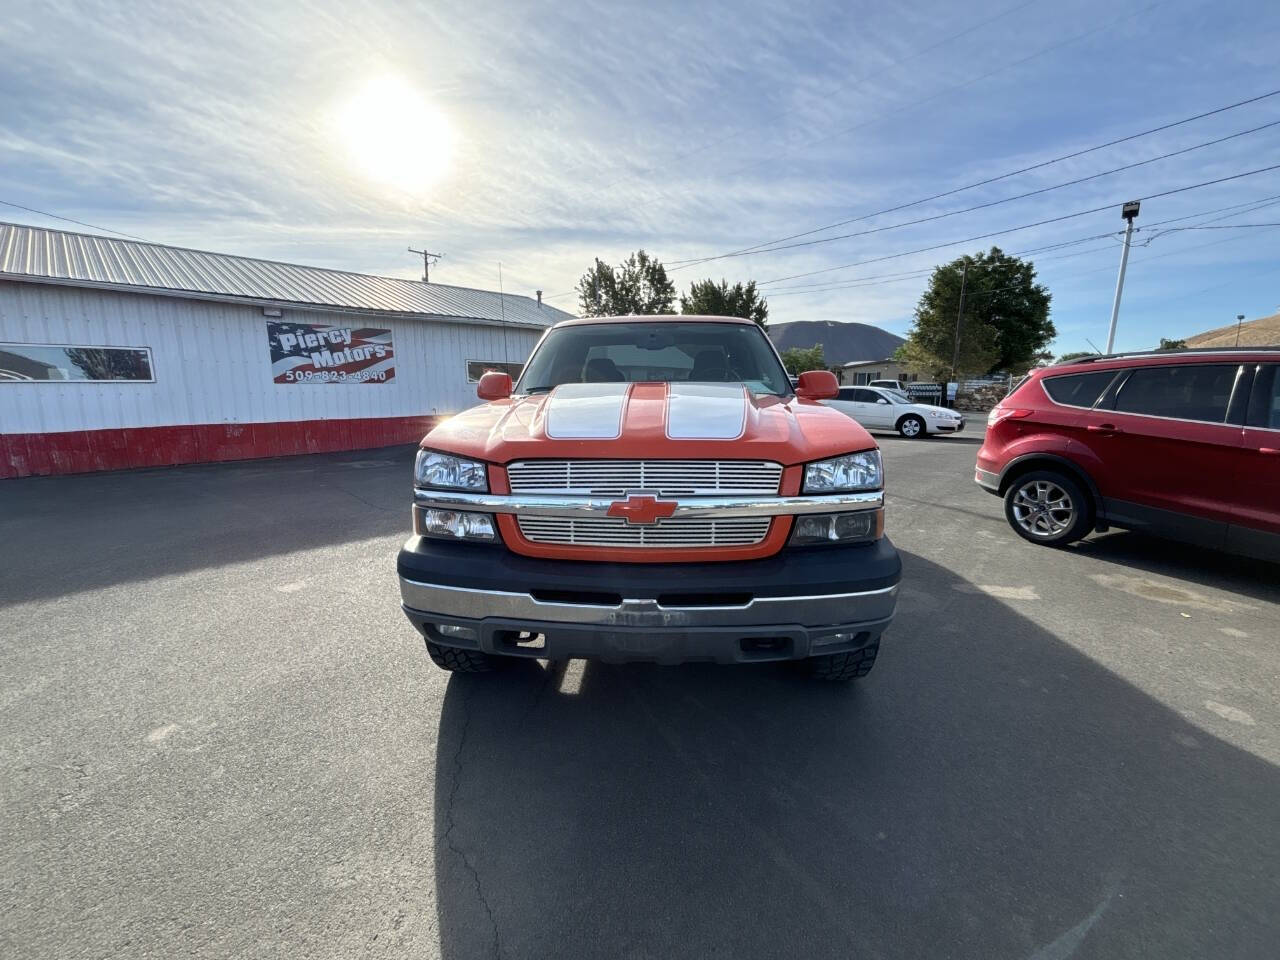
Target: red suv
x: 1184, y: 445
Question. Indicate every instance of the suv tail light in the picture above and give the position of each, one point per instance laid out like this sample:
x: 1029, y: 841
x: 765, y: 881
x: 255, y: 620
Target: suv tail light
x: 999, y: 413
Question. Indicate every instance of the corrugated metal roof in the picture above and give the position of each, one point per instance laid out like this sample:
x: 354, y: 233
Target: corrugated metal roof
x: 35, y: 253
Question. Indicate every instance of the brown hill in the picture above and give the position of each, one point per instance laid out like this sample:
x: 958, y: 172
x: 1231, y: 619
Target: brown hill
x: 1263, y: 332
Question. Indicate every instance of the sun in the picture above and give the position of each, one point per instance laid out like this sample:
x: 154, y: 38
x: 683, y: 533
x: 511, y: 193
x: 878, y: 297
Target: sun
x: 395, y: 137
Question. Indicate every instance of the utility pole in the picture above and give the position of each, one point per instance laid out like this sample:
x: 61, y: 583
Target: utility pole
x: 955, y: 354
x: 427, y: 258
x: 1239, y: 320
x: 1130, y: 213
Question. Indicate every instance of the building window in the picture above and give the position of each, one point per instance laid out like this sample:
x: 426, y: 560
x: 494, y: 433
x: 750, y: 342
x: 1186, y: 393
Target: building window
x: 43, y: 362
x: 478, y: 368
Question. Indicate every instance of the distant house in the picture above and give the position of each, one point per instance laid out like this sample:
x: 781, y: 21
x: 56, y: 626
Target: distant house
x: 862, y: 372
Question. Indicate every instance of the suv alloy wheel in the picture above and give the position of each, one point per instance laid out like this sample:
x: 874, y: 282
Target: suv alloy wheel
x: 1048, y: 507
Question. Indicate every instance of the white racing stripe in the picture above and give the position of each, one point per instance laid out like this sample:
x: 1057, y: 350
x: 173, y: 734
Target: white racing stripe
x: 586, y: 411
x: 706, y: 411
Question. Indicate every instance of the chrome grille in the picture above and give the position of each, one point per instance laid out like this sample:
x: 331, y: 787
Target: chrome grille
x: 616, y: 478
x: 671, y: 532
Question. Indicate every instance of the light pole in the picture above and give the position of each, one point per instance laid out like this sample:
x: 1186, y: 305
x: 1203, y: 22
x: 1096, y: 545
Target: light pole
x: 955, y: 352
x: 1130, y: 213
x: 1239, y: 320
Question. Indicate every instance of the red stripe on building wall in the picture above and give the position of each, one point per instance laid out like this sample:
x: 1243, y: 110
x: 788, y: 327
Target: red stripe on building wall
x: 84, y: 451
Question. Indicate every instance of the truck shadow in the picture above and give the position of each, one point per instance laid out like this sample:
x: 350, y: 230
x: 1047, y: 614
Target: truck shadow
x: 988, y: 791
x: 1138, y: 551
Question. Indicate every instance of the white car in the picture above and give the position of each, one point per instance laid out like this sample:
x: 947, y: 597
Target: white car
x: 877, y: 408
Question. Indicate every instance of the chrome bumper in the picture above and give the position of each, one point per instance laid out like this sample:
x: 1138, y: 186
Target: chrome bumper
x: 804, y: 611
x: 557, y: 505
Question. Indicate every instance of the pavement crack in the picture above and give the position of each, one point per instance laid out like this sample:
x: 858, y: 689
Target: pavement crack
x: 381, y: 508
x: 450, y: 823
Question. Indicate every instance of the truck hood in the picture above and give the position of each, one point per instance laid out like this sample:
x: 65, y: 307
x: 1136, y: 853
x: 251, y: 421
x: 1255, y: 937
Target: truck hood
x: 701, y: 421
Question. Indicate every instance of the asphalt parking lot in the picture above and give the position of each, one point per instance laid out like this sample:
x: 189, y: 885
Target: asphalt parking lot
x: 222, y: 739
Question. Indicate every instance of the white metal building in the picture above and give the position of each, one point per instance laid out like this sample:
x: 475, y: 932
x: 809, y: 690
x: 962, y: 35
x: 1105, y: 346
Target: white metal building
x: 116, y: 353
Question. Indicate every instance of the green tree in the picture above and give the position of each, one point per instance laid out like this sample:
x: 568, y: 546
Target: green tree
x: 799, y: 360
x: 1005, y: 323
x: 1076, y: 355
x: 1172, y: 344
x: 711, y: 299
x: 638, y: 285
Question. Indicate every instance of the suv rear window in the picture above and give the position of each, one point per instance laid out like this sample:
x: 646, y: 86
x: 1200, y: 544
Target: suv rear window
x: 1264, y: 408
x: 1078, y: 389
x: 1193, y: 391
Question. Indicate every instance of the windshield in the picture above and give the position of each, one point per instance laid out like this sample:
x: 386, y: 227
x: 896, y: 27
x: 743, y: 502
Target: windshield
x: 694, y: 352
x: 896, y: 394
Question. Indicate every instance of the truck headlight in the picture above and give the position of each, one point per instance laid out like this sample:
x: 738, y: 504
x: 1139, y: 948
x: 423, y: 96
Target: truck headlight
x: 445, y: 472
x: 452, y: 524
x: 854, y: 471
x: 814, y: 528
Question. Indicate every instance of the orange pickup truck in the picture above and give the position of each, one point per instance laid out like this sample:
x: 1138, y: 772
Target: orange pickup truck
x: 653, y: 489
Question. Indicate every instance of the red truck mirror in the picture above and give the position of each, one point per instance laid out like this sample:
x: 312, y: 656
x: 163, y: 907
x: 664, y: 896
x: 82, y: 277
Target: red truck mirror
x: 817, y: 385
x: 495, y: 386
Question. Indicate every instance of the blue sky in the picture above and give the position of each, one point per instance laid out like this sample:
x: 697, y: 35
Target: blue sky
x: 572, y: 131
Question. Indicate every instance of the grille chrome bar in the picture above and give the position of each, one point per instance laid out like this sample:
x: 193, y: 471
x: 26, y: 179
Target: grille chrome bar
x: 714, y: 508
x: 669, y: 478
x: 611, y: 532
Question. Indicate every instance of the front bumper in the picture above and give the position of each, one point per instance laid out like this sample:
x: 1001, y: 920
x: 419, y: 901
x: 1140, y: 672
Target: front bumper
x: 946, y: 426
x: 795, y: 604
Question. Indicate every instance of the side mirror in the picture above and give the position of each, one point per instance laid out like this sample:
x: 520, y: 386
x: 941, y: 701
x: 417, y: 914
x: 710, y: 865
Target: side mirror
x: 882, y: 400
x: 818, y: 385
x: 494, y: 386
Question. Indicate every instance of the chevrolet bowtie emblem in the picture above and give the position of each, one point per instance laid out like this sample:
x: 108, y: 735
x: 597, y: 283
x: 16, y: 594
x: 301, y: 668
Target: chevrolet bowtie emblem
x: 641, y: 509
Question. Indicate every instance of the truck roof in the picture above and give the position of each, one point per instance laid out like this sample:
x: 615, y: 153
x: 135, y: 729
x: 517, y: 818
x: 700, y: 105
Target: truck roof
x: 652, y: 318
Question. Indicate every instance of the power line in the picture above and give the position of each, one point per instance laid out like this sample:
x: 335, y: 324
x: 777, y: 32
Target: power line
x: 1158, y: 256
x: 903, y: 108
x: 917, y: 274
x: 1025, y: 226
x: 1020, y: 196
x: 678, y: 265
x: 834, y: 287
x: 1224, y: 226
x: 824, y: 287
x: 1260, y: 203
x: 1237, y: 209
x: 91, y: 226
x: 681, y: 264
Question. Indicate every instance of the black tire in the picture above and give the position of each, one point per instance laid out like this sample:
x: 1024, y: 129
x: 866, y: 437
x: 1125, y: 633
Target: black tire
x: 1046, y: 524
x: 913, y: 427
x: 844, y: 666
x: 460, y: 661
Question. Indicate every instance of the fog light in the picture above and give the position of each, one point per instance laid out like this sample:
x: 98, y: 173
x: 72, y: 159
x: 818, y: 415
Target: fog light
x: 831, y: 639
x: 455, y: 630
x: 454, y: 524
x: 836, y: 527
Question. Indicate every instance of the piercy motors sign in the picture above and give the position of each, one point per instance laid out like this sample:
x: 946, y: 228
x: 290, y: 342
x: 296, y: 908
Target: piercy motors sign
x: 316, y: 353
